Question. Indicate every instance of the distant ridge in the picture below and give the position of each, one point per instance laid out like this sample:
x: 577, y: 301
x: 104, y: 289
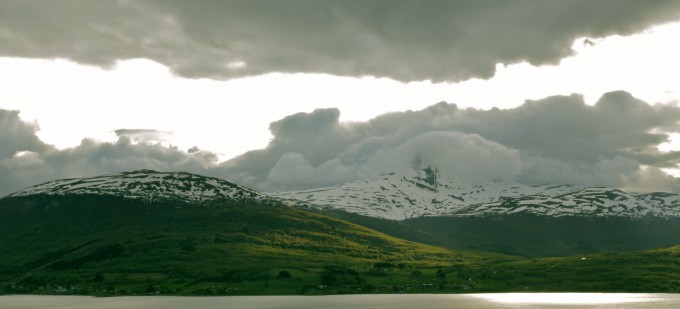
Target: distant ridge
x: 424, y: 193
x: 148, y: 185
x: 397, y: 196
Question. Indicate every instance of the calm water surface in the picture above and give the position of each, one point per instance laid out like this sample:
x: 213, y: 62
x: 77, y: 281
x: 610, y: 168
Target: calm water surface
x: 501, y: 300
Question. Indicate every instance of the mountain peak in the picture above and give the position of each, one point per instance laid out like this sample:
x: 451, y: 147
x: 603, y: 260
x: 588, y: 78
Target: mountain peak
x: 425, y: 192
x: 147, y: 185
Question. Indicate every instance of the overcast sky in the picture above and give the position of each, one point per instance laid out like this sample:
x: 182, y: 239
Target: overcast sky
x: 292, y: 94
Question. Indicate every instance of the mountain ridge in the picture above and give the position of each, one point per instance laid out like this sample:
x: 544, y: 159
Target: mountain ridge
x: 396, y: 196
x: 148, y: 185
x: 408, y: 195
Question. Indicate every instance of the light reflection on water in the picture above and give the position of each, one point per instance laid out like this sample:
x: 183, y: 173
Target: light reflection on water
x: 392, y: 301
x: 566, y: 298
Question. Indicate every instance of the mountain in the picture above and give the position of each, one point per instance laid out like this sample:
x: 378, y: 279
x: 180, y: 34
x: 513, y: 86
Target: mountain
x: 147, y: 232
x: 503, y: 216
x: 178, y: 233
x: 148, y: 185
x: 424, y: 193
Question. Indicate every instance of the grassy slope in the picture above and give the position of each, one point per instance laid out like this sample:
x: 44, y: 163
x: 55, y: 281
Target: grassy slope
x: 95, y: 243
x: 536, y: 236
x: 637, y: 271
x: 398, y: 229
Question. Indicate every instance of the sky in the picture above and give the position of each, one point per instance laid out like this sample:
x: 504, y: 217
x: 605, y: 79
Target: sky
x: 297, y: 94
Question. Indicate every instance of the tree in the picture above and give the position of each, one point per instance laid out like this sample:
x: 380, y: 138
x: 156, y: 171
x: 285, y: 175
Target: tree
x: 284, y: 274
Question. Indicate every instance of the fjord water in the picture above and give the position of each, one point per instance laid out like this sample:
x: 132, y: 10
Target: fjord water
x: 474, y: 301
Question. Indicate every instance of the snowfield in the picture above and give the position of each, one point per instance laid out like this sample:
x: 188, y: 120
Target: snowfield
x: 410, y: 194
x: 148, y: 185
x: 395, y: 196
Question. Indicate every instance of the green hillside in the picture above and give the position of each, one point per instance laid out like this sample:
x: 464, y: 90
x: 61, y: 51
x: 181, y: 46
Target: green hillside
x: 90, y: 243
x: 101, y: 245
x: 636, y: 271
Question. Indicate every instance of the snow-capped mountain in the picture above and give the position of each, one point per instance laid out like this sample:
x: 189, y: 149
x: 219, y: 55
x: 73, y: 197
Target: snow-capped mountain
x: 411, y: 194
x: 148, y: 185
x: 397, y: 196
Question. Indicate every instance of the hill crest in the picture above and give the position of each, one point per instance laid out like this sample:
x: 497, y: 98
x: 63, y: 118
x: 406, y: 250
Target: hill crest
x: 148, y: 185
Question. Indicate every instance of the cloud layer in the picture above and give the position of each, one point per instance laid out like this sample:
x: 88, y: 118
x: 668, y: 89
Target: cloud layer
x: 399, y: 39
x: 143, y: 135
x: 27, y: 161
x: 558, y: 139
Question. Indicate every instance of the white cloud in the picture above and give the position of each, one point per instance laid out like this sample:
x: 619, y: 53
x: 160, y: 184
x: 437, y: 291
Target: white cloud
x: 454, y: 154
x: 557, y: 139
x: 27, y: 161
x: 292, y: 170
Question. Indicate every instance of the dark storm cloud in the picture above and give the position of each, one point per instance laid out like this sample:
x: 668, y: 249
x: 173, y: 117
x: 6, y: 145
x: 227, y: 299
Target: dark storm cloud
x: 17, y: 135
x: 558, y: 139
x: 403, y: 40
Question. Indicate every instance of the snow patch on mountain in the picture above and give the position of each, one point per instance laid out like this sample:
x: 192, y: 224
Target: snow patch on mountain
x: 396, y: 196
x: 410, y: 194
x: 149, y: 185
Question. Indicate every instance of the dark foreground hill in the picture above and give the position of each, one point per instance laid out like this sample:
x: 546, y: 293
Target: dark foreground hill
x: 93, y: 242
